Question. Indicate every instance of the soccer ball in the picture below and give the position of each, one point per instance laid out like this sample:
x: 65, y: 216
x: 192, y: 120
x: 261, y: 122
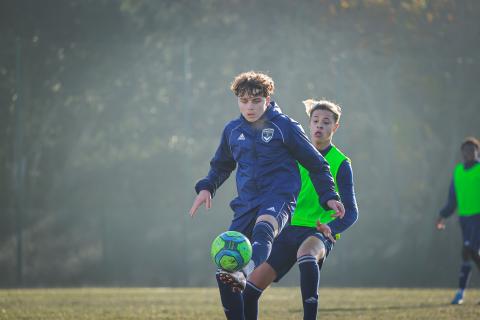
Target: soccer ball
x: 231, y: 251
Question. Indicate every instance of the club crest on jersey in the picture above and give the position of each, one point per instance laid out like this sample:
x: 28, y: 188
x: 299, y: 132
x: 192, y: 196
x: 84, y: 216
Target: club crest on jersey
x: 267, y: 134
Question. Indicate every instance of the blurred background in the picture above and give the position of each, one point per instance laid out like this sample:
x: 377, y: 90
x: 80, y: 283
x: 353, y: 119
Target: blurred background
x: 110, y: 110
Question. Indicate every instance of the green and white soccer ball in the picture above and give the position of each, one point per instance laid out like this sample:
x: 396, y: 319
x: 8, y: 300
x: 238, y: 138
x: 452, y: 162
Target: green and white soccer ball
x: 231, y: 251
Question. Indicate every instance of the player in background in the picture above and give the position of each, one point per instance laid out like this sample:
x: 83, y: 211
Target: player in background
x: 464, y: 196
x: 313, y: 230
x: 264, y: 145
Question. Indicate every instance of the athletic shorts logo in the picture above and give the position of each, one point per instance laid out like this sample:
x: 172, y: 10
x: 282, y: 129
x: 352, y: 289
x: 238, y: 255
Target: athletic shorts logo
x: 267, y: 134
x: 271, y: 209
x: 311, y: 300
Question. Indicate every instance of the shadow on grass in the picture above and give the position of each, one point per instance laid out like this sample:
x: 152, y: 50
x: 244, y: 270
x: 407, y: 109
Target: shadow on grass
x: 404, y: 307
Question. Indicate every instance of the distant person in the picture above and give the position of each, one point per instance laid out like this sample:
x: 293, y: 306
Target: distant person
x: 311, y: 235
x: 464, y: 196
x: 264, y: 145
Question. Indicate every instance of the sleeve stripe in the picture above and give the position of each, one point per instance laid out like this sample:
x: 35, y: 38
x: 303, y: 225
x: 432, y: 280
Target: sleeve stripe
x: 281, y: 132
x: 230, y: 137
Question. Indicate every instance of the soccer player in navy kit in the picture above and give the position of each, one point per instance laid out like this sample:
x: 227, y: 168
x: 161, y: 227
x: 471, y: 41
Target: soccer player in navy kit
x: 264, y: 145
x: 312, y: 232
x: 464, y: 196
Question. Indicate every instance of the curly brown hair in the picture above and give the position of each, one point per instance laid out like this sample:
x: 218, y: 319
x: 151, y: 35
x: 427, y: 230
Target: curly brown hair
x: 252, y: 83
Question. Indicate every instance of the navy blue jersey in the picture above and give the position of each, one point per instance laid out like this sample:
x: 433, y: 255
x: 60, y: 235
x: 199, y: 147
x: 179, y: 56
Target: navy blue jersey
x: 265, y: 154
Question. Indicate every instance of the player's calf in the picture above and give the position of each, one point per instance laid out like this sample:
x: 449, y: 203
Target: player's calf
x: 262, y: 239
x: 309, y: 280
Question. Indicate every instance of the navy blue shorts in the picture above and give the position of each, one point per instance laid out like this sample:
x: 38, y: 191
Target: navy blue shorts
x: 280, y: 209
x: 285, y: 247
x: 471, y: 232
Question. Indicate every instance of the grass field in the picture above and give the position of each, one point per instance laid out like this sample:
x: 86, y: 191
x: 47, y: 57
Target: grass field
x: 203, y: 303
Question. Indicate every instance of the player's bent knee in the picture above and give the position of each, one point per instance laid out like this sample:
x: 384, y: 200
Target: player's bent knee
x: 318, y: 253
x: 270, y: 219
x: 312, y: 246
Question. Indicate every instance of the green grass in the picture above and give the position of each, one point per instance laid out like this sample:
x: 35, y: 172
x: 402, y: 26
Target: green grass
x: 203, y: 303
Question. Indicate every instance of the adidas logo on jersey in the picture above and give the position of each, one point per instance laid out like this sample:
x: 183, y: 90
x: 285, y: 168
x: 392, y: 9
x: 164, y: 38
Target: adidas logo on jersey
x: 241, y: 137
x: 271, y: 209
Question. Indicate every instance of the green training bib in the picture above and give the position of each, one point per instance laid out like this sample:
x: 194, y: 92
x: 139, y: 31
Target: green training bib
x: 467, y: 189
x: 308, y: 209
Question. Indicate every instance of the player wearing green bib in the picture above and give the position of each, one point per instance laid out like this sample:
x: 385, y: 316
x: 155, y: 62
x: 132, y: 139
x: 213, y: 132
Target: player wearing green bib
x: 464, y: 196
x: 312, y: 231
x: 308, y: 211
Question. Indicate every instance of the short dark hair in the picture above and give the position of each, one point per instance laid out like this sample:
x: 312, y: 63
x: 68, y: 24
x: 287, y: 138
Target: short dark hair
x: 252, y: 83
x: 312, y: 105
x: 471, y: 140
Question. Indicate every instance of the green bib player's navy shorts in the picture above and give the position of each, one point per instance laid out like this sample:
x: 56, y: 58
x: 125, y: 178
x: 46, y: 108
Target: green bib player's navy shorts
x: 471, y: 231
x: 285, y: 247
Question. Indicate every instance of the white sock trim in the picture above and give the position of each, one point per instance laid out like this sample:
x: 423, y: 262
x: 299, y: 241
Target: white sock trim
x: 254, y: 287
x: 306, y: 258
x: 267, y: 224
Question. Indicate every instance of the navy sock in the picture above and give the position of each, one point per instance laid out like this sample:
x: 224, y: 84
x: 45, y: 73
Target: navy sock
x: 232, y: 302
x: 262, y: 237
x: 251, y: 294
x: 464, y: 275
x: 309, y: 280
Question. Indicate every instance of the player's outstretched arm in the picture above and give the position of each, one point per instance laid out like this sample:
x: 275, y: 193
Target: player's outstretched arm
x: 203, y: 196
x: 451, y: 204
x: 338, y: 207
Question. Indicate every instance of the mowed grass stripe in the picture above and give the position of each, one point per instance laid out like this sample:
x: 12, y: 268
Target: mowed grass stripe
x: 203, y: 303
